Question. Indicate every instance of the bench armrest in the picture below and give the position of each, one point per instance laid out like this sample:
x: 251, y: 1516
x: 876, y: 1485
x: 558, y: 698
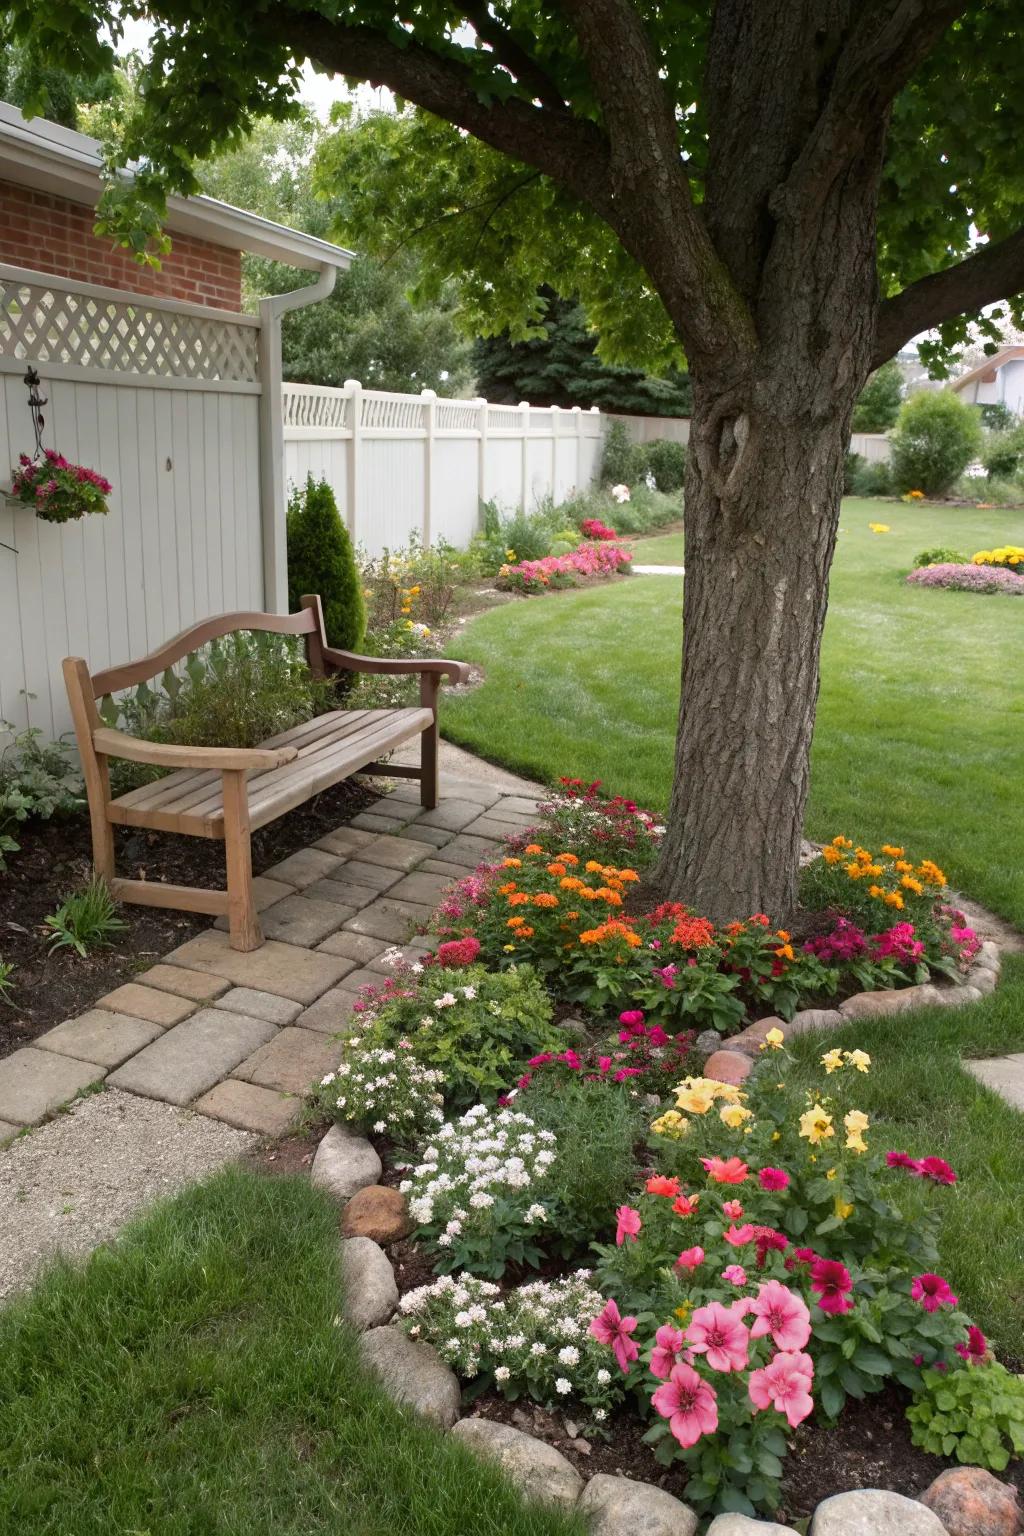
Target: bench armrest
x: 350, y: 661
x: 113, y: 743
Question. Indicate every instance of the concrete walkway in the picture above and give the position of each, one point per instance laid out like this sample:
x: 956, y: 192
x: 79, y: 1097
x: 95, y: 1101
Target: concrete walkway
x: 659, y: 570
x: 1004, y: 1075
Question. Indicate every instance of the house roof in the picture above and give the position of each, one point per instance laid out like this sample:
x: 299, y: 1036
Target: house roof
x: 37, y: 153
x: 985, y: 373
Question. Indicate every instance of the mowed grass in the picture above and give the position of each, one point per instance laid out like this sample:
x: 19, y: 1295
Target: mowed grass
x: 662, y: 549
x: 194, y: 1381
x: 920, y: 733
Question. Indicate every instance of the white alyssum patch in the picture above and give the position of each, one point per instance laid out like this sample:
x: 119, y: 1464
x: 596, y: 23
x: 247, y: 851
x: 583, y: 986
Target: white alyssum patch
x: 387, y: 1090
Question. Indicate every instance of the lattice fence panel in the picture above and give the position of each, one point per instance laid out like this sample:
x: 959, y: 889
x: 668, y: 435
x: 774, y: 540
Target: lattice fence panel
x: 457, y: 416
x: 85, y: 330
x: 308, y: 406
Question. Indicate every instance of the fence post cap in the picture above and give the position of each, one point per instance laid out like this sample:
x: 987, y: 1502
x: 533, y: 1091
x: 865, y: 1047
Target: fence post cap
x: 428, y: 394
x: 577, y: 410
x: 524, y: 405
x: 352, y: 384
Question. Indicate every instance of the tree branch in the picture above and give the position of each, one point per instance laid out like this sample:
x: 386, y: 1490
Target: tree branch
x: 509, y: 52
x: 993, y: 272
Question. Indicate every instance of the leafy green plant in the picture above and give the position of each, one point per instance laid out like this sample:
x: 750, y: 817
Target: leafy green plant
x: 975, y: 1413
x: 870, y: 479
x: 666, y: 460
x: 596, y: 1129
x: 941, y: 555
x: 38, y: 778
x: 620, y: 462
x: 321, y: 559
x: 879, y: 403
x: 1003, y: 453
x: 85, y: 920
x: 6, y: 984
x: 935, y: 438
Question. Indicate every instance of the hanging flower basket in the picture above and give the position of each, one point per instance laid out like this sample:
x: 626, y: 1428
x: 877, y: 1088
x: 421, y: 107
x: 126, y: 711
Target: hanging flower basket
x: 58, y: 490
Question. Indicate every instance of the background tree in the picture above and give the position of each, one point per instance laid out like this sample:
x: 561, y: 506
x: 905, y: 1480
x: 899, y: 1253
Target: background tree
x: 788, y: 190
x: 563, y: 368
x: 879, y: 402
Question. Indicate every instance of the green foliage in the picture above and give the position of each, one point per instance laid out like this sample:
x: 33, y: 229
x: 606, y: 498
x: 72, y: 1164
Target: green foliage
x: 85, y: 920
x: 235, y: 692
x: 879, y: 403
x: 997, y: 417
x: 624, y: 462
x: 666, y: 461
x: 620, y: 461
x: 1003, y: 452
x: 321, y: 559
x: 853, y: 465
x: 32, y: 84
x: 975, y: 1413
x: 7, y: 970
x: 38, y: 779
x: 935, y: 438
x: 941, y: 555
x: 867, y: 478
x: 563, y: 367
x: 517, y: 535
x: 597, y: 1129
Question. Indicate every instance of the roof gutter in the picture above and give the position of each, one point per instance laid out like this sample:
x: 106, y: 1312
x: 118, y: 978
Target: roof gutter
x: 272, y: 498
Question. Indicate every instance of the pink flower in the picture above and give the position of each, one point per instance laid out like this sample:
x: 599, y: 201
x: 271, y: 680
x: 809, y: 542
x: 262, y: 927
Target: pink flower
x: 610, y: 1328
x: 932, y: 1292
x: 785, y: 1385
x: 832, y: 1284
x: 902, y: 1160
x: 735, y: 1274
x: 728, y: 1170
x: 773, y: 1179
x: 738, y: 1237
x: 718, y: 1333
x: 733, y: 1209
x: 976, y: 1348
x: 668, y: 1345
x: 936, y: 1169
x: 458, y: 951
x: 690, y: 1259
x: 767, y: 1240
x: 631, y: 1016
x: 781, y: 1314
x: 629, y: 1224
x: 689, y: 1403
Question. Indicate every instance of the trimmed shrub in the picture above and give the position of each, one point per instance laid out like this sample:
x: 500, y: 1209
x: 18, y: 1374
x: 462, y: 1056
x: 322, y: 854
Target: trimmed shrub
x: 1003, y: 453
x: 666, y: 461
x: 853, y: 465
x: 621, y: 463
x: 321, y: 559
x: 871, y: 479
x: 936, y: 437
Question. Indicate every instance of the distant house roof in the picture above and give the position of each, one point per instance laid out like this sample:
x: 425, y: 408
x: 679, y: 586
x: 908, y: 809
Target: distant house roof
x: 985, y: 373
x: 37, y: 153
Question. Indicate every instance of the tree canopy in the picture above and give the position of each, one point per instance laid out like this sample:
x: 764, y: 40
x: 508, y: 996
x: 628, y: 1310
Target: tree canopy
x: 879, y: 402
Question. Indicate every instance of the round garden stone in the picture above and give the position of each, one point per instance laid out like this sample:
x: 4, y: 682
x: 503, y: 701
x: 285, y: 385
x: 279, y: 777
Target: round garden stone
x: 874, y: 1512
x: 870, y: 1005
x: 412, y: 1373
x: 960, y: 997
x: 813, y: 1018
x: 971, y: 1502
x: 982, y: 980
x: 377, y: 1212
x: 371, y: 1294
x: 617, y: 1506
x: 988, y: 956
x: 728, y: 1067
x: 707, y: 1042
x: 344, y: 1164
x: 537, y: 1469
x: 742, y: 1525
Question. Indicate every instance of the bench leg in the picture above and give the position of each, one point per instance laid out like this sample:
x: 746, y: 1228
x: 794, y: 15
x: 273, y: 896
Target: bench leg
x: 430, y: 685
x: 243, y: 922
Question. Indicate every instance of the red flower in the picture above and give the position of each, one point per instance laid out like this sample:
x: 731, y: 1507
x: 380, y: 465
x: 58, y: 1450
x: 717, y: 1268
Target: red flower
x: 936, y: 1169
x: 459, y: 951
x: 768, y: 1240
x: 902, y: 1160
x: 729, y: 1170
x: 976, y: 1347
x: 660, y: 1185
x: 832, y: 1283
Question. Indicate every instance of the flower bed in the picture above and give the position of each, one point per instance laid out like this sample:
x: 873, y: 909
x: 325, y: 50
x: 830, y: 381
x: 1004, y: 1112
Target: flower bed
x: 969, y: 578
x: 694, y: 1264
x: 588, y: 562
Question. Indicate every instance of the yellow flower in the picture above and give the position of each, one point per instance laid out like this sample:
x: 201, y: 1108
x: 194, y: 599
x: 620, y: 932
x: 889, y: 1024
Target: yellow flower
x: 671, y: 1124
x: 774, y: 1038
x: 841, y: 842
x: 683, y: 1312
x: 733, y: 1115
x: 833, y: 1173
x: 510, y: 554
x: 508, y: 948
x: 831, y: 855
x: 859, y: 1059
x: 880, y: 527
x: 841, y: 1208
x: 878, y: 891
x: 910, y: 884
x: 832, y: 1061
x: 776, y: 1135
x: 816, y: 1125
x: 892, y: 851
x: 894, y: 899
x: 856, y: 1123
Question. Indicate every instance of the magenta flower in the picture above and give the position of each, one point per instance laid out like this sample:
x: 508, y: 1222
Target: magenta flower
x: 936, y: 1169
x: 629, y: 1224
x: 932, y: 1292
x: 902, y: 1160
x: 690, y: 1259
x: 832, y: 1284
x: 781, y: 1314
x: 689, y: 1403
x: 611, y: 1328
x: 785, y: 1385
x: 773, y: 1180
x: 976, y: 1348
x: 631, y: 1016
x: 668, y: 1346
x: 719, y: 1334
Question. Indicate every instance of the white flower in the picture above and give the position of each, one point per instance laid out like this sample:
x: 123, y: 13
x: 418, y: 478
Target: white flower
x: 324, y: 1081
x: 463, y: 1320
x: 502, y: 1373
x: 620, y: 492
x: 537, y: 1349
x: 604, y: 1377
x: 563, y: 1386
x: 536, y: 1213
x: 569, y: 1355
x: 446, y: 1000
x: 469, y: 993
x: 380, y: 1126
x: 600, y: 1414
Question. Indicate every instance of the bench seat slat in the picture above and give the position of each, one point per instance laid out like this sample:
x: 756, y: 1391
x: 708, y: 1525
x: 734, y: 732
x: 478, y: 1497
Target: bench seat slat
x: 330, y: 748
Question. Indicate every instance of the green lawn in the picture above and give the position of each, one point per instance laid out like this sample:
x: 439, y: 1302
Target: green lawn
x: 193, y: 1381
x: 663, y: 549
x: 920, y: 732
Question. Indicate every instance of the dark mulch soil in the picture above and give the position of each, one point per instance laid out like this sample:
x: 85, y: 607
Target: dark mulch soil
x: 55, y: 857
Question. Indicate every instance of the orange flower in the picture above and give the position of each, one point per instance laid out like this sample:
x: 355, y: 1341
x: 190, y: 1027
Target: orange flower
x: 892, y: 851
x: 556, y: 869
x: 611, y: 897
x: 686, y: 1205
x: 735, y: 928
x: 660, y: 1185
x: 894, y: 899
x: 592, y: 867
x: 511, y: 863
x: 566, y: 858
x: 518, y: 899
x: 761, y: 918
x: 693, y: 933
x: 831, y: 855
x: 507, y: 888
x: 515, y: 922
x: 572, y: 916
x: 729, y: 1170
x: 545, y: 899
x: 780, y: 933
x: 910, y: 884
x: 785, y: 952
x: 525, y: 933
x: 903, y: 867
x: 571, y: 883
x: 629, y: 875
x: 533, y: 848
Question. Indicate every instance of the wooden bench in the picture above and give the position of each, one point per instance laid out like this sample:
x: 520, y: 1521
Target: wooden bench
x: 227, y: 792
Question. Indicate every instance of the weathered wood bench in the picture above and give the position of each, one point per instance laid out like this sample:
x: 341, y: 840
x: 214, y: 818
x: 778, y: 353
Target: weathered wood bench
x: 228, y: 792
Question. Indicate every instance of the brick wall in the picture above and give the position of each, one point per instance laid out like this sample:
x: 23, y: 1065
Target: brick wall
x: 51, y: 234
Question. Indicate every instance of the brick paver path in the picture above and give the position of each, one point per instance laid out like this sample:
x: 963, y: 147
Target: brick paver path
x: 241, y: 1037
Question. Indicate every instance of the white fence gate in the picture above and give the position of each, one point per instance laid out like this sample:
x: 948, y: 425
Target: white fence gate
x: 162, y: 399
x: 415, y: 463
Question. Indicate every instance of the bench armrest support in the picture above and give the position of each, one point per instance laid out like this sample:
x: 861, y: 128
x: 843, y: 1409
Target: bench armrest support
x: 114, y: 743
x: 350, y: 661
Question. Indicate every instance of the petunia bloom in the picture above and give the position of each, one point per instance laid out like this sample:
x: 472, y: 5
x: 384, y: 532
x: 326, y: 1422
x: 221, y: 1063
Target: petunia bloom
x: 832, y: 1284
x: 730, y: 1170
x: 735, y: 1274
x: 690, y: 1259
x: 773, y: 1180
x: 719, y: 1334
x: 629, y: 1224
x: 976, y: 1348
x: 932, y: 1292
x: 936, y: 1169
x: 785, y: 1385
x: 610, y: 1328
x: 668, y: 1346
x: 738, y: 1237
x: 782, y: 1314
x: 660, y: 1185
x: 689, y: 1403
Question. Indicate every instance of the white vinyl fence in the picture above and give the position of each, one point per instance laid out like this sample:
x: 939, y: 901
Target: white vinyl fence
x: 401, y: 464
x: 162, y: 398
x: 873, y: 446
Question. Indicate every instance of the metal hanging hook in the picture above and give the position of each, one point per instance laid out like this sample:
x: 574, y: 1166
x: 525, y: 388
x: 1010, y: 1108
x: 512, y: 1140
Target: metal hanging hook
x: 36, y: 401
